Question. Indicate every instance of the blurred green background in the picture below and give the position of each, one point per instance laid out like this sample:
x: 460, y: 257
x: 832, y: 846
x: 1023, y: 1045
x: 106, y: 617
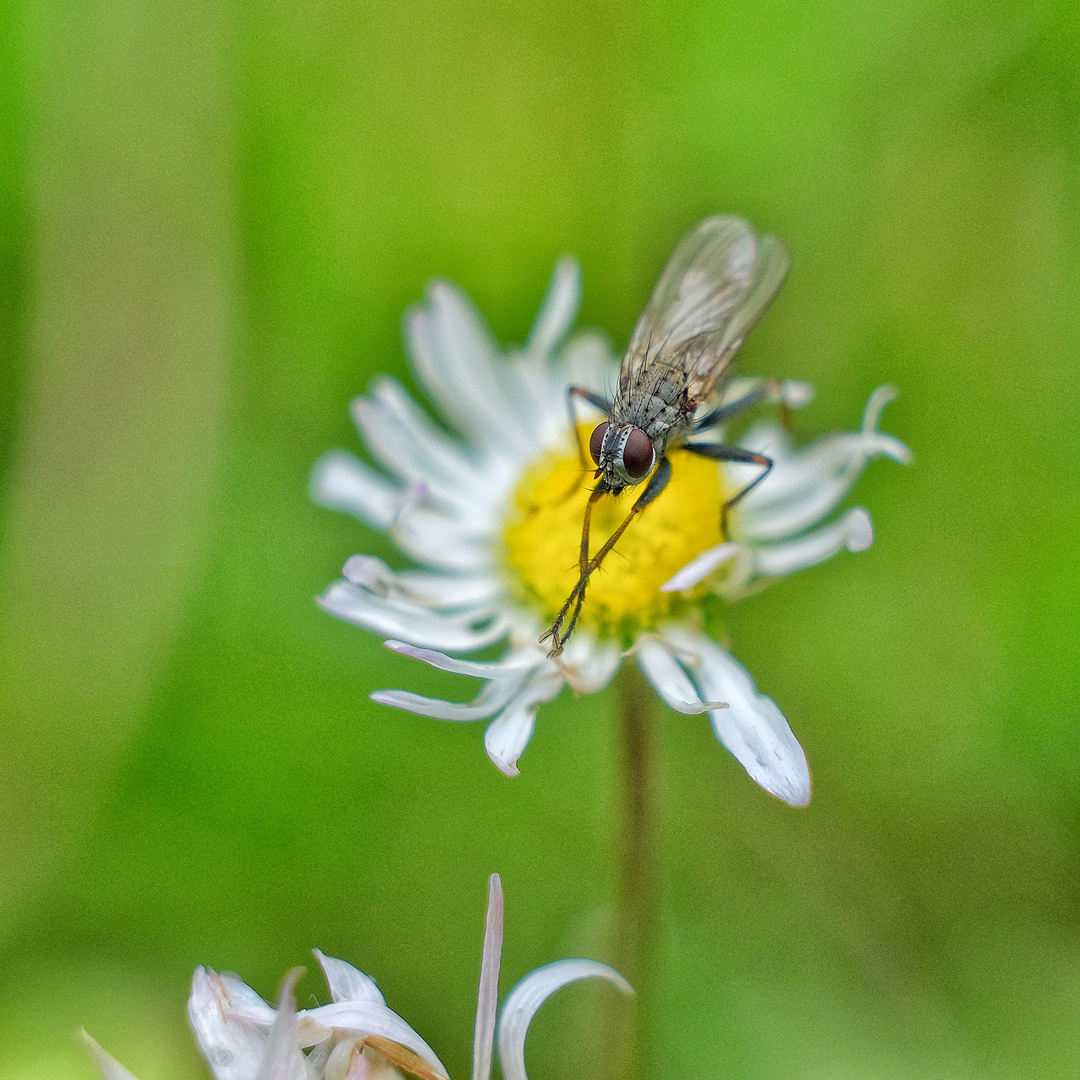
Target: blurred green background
x: 213, y: 216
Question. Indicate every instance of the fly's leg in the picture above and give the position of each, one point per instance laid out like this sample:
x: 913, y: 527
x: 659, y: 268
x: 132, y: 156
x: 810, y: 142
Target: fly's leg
x: 656, y: 485
x: 768, y: 391
x: 583, y: 565
x: 604, y: 406
x: 719, y: 452
x: 597, y: 400
x: 583, y: 572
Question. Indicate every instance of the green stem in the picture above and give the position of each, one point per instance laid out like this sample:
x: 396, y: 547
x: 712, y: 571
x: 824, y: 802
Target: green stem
x: 636, y: 928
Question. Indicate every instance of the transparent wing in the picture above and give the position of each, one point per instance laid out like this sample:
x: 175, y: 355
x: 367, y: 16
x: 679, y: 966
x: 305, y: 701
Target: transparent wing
x: 716, y: 285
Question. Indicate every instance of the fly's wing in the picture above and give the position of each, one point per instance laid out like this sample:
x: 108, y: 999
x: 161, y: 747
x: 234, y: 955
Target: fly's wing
x: 716, y: 285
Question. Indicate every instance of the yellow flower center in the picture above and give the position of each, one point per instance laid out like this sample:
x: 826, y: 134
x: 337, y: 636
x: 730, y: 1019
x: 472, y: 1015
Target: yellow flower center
x: 542, y: 539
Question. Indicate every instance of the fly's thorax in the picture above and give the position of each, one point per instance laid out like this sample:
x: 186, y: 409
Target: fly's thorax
x: 624, y: 454
x: 657, y: 417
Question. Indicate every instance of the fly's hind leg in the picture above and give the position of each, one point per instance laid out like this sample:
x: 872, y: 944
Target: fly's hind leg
x: 576, y: 599
x: 719, y: 452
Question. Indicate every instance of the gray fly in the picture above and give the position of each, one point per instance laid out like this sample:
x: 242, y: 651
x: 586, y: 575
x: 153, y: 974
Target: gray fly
x: 713, y: 290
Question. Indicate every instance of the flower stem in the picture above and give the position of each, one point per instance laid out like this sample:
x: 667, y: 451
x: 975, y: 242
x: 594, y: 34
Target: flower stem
x: 639, y: 886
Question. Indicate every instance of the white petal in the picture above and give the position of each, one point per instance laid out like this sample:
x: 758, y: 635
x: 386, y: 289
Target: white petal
x: 795, y: 393
x: 588, y: 665
x: 509, y: 733
x: 753, y: 729
x: 852, y: 531
x: 487, y: 997
x: 669, y: 679
x: 547, y: 419
x: 701, y: 567
x: 420, y: 587
x: 394, y: 435
x: 346, y: 983
x: 489, y: 701
x: 559, y: 309
x: 529, y: 994
x: 806, y: 485
x: 450, y: 539
x: 514, y: 662
x: 283, y: 1059
x: 446, y: 591
x: 243, y: 1002
x: 400, y: 620
x: 110, y: 1068
x: 232, y: 1046
x: 457, y: 360
x: 442, y: 454
x: 341, y: 481
x: 456, y: 543
x: 588, y: 361
x: 367, y: 1018
x: 372, y: 573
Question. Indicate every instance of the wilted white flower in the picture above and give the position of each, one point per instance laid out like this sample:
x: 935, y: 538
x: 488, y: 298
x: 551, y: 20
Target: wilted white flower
x: 357, y: 1036
x: 492, y: 513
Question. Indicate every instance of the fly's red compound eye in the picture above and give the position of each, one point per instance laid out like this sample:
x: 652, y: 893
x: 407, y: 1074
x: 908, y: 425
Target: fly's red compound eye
x: 637, y: 455
x: 596, y: 440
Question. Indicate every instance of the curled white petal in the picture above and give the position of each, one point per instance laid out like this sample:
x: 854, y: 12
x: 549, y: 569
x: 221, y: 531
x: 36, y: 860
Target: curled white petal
x: 110, y: 1068
x: 401, y: 620
x: 529, y: 994
x: 487, y: 997
x: 449, y: 591
x: 587, y: 664
x: 509, y: 733
x: 806, y: 485
x: 341, y: 481
x: 441, y: 591
x: 283, y: 1059
x: 701, y: 567
x: 372, y: 573
x: 795, y: 393
x: 753, y: 728
x: 244, y: 1002
x: 872, y: 413
x: 346, y: 983
x: 670, y: 681
x: 232, y: 1040
x: 366, y: 1018
x: 489, y: 701
x: 515, y: 662
x: 852, y: 531
x: 559, y: 309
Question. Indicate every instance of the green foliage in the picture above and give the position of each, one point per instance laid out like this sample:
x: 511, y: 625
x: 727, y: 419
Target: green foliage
x: 213, y: 218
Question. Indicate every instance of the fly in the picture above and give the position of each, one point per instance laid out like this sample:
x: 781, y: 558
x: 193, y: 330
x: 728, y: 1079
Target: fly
x: 713, y: 290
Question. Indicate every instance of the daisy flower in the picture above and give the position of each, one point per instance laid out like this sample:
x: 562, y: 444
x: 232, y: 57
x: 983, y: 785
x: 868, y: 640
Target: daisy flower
x: 489, y: 509
x: 357, y: 1036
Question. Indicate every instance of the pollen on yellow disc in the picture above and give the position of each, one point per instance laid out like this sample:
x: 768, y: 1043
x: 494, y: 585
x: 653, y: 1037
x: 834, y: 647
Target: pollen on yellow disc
x: 542, y: 539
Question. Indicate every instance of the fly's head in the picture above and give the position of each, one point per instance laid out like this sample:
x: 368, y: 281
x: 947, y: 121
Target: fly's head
x: 624, y: 455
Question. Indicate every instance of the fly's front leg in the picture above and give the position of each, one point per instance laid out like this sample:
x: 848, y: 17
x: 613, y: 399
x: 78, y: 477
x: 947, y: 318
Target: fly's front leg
x: 719, y: 452
x: 655, y: 486
x: 600, y: 402
x: 597, y: 400
x: 575, y: 597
